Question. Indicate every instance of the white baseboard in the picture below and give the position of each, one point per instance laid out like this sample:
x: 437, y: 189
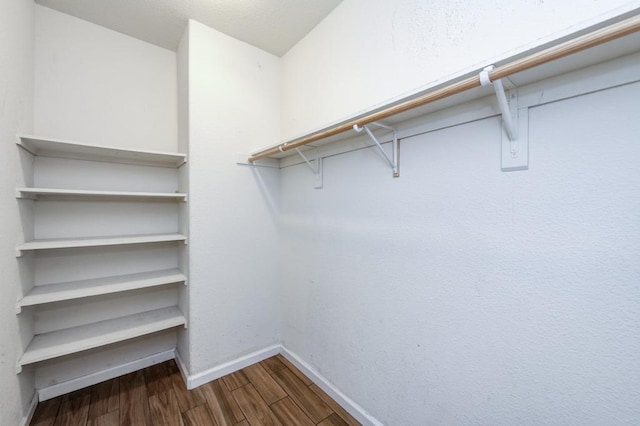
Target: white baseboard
x: 195, y: 380
x: 100, y: 376
x: 182, y: 367
x: 30, y: 410
x: 345, y: 402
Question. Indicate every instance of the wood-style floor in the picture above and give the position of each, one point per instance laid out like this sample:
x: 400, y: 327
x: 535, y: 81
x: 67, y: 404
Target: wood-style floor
x: 271, y: 392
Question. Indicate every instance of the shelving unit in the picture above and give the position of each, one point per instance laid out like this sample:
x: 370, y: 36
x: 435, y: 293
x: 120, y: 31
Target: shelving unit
x: 58, y: 338
x: 54, y: 194
x: 52, y: 244
x: 76, y: 339
x: 100, y: 286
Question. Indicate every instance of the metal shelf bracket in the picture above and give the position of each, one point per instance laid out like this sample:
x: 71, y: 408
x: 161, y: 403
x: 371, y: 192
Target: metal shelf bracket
x: 393, y: 160
x: 317, y: 170
x: 515, y: 122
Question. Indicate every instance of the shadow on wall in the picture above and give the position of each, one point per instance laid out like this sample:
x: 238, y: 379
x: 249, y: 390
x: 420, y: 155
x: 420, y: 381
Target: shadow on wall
x: 270, y: 198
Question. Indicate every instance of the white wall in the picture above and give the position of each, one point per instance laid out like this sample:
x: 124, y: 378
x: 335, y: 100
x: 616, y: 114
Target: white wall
x: 16, y: 116
x: 369, y: 51
x: 95, y: 85
x: 458, y: 294
x: 234, y: 98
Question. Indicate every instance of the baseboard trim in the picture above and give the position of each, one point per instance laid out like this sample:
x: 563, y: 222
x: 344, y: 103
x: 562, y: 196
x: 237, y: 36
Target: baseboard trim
x: 182, y: 367
x: 345, y: 402
x: 26, y: 419
x: 100, y: 376
x: 195, y: 380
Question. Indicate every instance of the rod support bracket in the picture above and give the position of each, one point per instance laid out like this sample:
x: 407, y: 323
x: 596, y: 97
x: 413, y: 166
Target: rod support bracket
x: 317, y: 169
x: 503, y: 102
x: 515, y: 122
x: 393, y: 161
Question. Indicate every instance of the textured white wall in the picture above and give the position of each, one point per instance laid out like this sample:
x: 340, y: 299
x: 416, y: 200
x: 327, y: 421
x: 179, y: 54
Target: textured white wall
x: 234, y: 99
x: 95, y: 85
x: 16, y: 116
x: 369, y: 51
x: 458, y: 294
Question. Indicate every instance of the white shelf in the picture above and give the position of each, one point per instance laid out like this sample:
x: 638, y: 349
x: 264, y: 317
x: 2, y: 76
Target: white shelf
x: 76, y: 339
x: 62, y: 243
x: 99, y: 286
x: 78, y: 151
x: 81, y: 194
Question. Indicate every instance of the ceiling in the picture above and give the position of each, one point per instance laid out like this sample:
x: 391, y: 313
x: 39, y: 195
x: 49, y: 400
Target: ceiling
x: 272, y: 25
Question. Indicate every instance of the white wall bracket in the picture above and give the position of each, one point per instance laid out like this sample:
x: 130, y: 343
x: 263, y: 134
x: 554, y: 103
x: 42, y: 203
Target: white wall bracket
x: 393, y: 160
x: 515, y: 122
x: 317, y: 170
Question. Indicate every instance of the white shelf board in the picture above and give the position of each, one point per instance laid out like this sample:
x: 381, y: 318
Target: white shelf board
x: 76, y: 339
x: 99, y: 286
x: 81, y: 194
x: 62, y: 243
x: 79, y: 151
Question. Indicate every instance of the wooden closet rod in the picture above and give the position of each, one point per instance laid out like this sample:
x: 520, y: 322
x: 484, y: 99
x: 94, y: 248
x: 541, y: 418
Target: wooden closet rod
x: 603, y: 35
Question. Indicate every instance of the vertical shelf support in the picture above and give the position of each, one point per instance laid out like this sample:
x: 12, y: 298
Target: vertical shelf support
x: 317, y: 170
x: 515, y: 121
x: 393, y: 160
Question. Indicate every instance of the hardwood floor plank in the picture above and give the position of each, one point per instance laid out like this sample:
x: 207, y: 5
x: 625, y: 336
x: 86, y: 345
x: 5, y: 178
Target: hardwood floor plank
x: 310, y: 403
x: 157, y: 379
x: 348, y: 418
x: 74, y: 409
x: 104, y: 398
x: 235, y: 380
x: 290, y: 414
x: 164, y: 410
x: 46, y: 412
x: 198, y: 416
x: 272, y: 364
x: 158, y: 396
x: 223, y: 406
x: 264, y: 383
x: 134, y: 404
x: 111, y: 418
x: 187, y: 399
x: 172, y: 366
x: 295, y: 370
x: 80, y: 393
x: 255, y: 409
x: 333, y: 420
